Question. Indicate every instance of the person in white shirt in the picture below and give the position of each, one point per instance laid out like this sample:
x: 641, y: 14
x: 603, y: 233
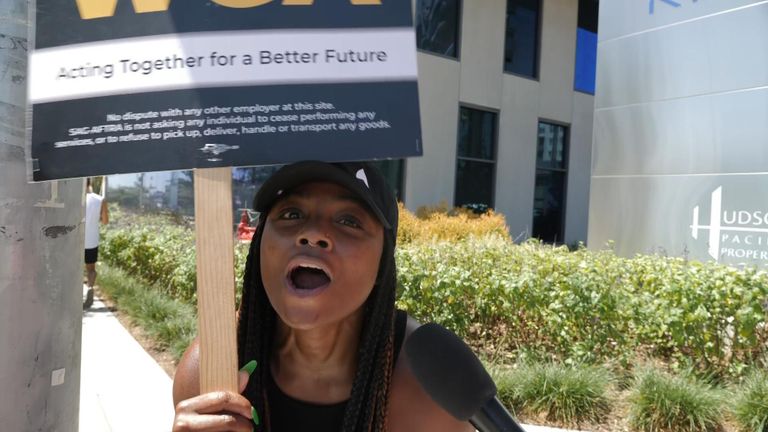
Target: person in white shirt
x: 95, y: 212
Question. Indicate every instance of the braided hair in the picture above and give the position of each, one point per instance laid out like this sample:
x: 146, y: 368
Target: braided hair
x: 366, y: 409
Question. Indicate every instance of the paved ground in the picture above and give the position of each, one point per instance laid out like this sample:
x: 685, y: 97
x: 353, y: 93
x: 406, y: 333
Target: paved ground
x: 122, y: 388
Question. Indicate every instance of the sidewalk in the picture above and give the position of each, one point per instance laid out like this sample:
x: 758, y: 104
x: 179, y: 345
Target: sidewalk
x: 122, y: 388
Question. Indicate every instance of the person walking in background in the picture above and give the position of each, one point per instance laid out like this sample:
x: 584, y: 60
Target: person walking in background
x: 95, y: 213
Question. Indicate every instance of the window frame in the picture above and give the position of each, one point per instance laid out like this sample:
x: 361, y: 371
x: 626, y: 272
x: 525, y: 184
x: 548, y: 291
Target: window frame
x: 459, y: 33
x: 495, y: 150
x: 537, y: 60
x: 567, y: 160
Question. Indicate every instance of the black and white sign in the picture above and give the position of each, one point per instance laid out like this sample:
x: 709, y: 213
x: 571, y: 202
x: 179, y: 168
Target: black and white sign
x: 119, y: 86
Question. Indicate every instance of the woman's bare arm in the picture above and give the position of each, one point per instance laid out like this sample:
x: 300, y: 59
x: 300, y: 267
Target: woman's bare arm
x: 186, y: 381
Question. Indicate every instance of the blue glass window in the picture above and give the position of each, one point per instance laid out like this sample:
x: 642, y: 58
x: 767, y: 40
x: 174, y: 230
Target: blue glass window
x: 586, y: 47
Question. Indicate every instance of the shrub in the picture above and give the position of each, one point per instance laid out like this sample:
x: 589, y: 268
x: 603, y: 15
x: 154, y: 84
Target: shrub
x: 704, y: 314
x: 442, y: 224
x: 587, y: 306
x: 566, y: 394
x: 750, y: 406
x: 544, y: 302
x: 155, y: 250
x: 662, y: 403
x: 505, y: 298
x: 160, y: 251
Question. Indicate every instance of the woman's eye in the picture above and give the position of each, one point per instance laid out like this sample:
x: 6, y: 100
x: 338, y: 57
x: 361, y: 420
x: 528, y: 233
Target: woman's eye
x: 349, y: 221
x: 290, y: 214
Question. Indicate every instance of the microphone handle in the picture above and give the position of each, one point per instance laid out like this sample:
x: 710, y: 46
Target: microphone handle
x: 493, y: 417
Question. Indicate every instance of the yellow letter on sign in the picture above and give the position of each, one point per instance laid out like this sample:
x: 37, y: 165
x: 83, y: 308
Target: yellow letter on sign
x: 90, y: 9
x: 142, y: 6
x: 241, y: 3
x: 310, y: 2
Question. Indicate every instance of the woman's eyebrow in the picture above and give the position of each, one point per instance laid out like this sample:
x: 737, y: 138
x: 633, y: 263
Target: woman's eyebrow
x: 342, y: 196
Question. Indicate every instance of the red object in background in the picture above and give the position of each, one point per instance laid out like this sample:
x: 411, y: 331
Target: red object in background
x: 244, y: 229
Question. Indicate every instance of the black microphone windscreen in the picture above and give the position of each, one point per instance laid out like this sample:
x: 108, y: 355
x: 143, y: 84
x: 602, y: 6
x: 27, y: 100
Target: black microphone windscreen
x: 449, y: 371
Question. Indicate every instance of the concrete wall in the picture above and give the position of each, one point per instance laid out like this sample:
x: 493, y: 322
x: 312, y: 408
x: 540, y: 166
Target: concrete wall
x: 430, y: 179
x: 41, y: 261
x: 478, y: 80
x: 681, y: 139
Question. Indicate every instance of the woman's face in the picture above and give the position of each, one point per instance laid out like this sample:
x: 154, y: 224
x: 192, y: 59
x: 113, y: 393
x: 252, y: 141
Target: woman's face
x: 320, y: 254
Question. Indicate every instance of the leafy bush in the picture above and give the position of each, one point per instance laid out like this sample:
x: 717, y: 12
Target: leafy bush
x: 531, y: 300
x: 160, y: 251
x: 750, y: 406
x: 674, y: 404
x: 506, y: 298
x: 566, y: 394
x: 430, y: 224
x: 587, y: 306
x: 704, y: 315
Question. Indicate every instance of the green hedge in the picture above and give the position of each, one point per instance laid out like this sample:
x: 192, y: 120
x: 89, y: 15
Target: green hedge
x: 160, y: 251
x: 532, y: 299
x: 588, y: 306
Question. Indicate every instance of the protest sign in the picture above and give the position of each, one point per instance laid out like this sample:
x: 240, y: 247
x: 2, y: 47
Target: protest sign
x: 119, y: 86
x: 149, y: 85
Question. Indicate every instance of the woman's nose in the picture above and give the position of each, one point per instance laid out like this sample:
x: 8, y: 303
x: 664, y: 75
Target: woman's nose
x: 313, y: 235
x: 321, y: 243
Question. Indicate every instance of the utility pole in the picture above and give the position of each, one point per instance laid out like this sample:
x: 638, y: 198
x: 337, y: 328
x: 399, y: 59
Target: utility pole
x: 41, y: 260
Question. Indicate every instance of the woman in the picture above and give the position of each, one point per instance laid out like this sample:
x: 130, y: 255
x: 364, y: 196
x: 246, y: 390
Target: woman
x: 318, y: 316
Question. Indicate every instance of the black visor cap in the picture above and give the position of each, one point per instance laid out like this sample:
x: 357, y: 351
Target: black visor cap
x: 361, y: 178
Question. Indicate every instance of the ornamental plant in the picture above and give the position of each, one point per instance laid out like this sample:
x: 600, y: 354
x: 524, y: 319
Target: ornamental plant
x: 750, y: 405
x: 527, y: 300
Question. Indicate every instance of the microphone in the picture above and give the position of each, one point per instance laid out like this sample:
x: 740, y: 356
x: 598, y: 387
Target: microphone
x: 456, y: 380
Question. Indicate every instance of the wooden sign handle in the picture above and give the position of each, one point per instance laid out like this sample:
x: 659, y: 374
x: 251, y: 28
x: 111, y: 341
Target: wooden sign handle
x: 215, y: 279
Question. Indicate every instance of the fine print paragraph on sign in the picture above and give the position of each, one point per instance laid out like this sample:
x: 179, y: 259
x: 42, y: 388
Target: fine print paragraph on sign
x: 216, y: 121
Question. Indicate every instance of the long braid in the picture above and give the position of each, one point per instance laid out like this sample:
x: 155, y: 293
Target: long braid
x: 383, y: 374
x: 255, y: 328
x: 367, y: 407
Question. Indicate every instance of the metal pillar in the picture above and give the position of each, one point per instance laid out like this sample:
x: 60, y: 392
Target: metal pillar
x: 41, y: 255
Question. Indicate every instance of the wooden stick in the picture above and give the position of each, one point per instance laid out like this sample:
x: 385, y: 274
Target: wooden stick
x: 215, y: 279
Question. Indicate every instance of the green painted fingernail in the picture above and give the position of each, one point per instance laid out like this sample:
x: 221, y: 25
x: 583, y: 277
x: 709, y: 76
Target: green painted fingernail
x: 255, y: 414
x: 249, y: 367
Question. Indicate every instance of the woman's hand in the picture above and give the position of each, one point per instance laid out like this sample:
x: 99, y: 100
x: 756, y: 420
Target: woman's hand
x: 216, y: 411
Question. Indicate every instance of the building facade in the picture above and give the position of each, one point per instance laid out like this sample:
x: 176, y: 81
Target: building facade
x: 502, y: 121
x: 681, y: 138
x: 506, y: 100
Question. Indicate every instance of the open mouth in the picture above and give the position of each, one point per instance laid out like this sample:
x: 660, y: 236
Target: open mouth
x: 307, y: 278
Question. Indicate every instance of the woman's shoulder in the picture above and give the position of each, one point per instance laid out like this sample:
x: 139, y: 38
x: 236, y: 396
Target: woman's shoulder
x: 410, y: 406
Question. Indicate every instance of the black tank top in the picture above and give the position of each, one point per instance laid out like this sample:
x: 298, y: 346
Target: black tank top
x: 287, y: 414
